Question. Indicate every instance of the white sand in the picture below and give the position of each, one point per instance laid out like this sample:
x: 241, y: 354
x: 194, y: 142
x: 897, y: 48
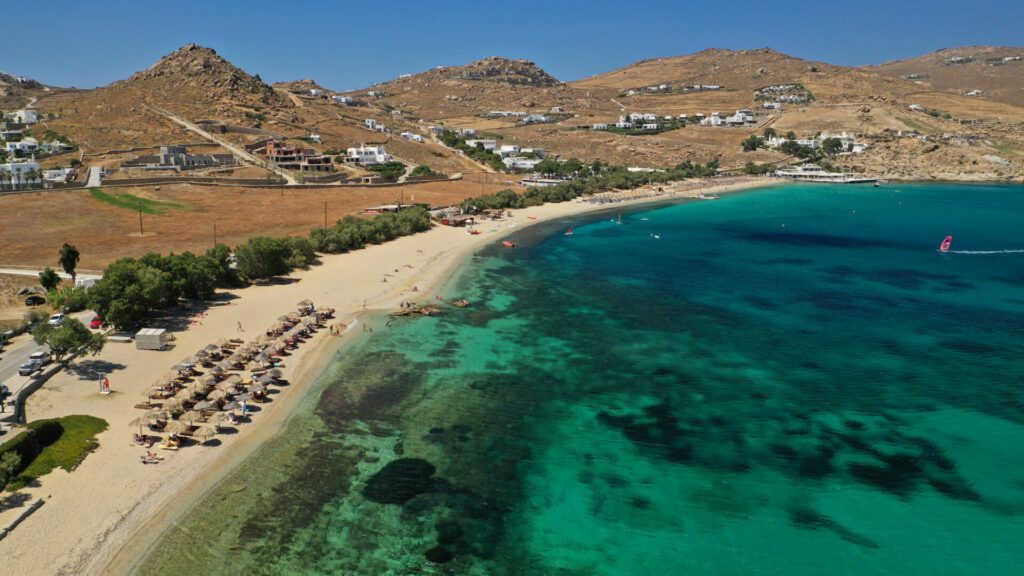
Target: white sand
x: 113, y: 506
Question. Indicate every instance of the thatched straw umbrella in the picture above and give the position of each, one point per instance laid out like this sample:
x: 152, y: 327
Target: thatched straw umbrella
x: 225, y: 365
x: 265, y: 380
x: 274, y: 373
x: 208, y: 379
x: 140, y: 422
x: 201, y: 354
x: 191, y: 418
x: 222, y: 343
x: 198, y: 388
x: 183, y: 396
x: 227, y: 386
x: 215, y: 395
x: 234, y: 405
x: 204, y: 434
x: 205, y: 404
x: 244, y: 397
x: 172, y: 405
x: 211, y: 348
x: 238, y: 358
x: 255, y: 366
x: 257, y: 388
x: 305, y: 303
x: 177, y: 427
x: 309, y: 321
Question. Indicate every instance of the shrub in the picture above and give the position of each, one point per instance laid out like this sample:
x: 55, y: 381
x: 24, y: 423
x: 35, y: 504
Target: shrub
x: 69, y: 297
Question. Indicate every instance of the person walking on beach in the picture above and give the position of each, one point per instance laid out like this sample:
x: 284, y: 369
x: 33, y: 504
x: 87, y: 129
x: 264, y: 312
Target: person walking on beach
x: 240, y: 327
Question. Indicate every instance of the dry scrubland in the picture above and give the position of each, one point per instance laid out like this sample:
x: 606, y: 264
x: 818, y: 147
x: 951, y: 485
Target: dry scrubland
x: 39, y: 223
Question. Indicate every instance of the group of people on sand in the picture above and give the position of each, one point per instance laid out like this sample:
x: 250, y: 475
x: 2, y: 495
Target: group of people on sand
x: 150, y: 458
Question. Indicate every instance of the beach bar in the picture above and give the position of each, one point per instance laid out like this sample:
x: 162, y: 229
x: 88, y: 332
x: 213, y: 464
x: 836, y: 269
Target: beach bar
x: 151, y: 339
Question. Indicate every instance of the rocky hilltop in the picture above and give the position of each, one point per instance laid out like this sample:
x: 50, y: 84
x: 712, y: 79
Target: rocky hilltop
x: 499, y: 69
x: 200, y: 68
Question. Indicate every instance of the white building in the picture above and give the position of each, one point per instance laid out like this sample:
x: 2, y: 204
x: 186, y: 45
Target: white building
x: 56, y: 175
x: 557, y: 109
x: 714, y: 120
x: 489, y: 145
x: 508, y: 150
x: 650, y: 117
x: 19, y: 172
x: 649, y: 127
x: 624, y: 125
x: 316, y: 92
x: 538, y: 152
x: 369, y: 155
x: 412, y: 137
x: 346, y: 100
x: 55, y: 146
x: 372, y: 124
x: 916, y: 107
x: 467, y: 132
x: 974, y: 93
x: 521, y: 163
x: 772, y: 106
x: 26, y: 146
x: 24, y: 116
x: 535, y: 119
x: 316, y: 138
x: 598, y: 126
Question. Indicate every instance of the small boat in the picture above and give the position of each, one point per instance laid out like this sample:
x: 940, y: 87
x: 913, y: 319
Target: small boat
x: 569, y: 231
x: 944, y: 247
x: 508, y: 244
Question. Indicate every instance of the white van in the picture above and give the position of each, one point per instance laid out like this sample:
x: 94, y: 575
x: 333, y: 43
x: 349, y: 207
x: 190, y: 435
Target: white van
x: 56, y: 319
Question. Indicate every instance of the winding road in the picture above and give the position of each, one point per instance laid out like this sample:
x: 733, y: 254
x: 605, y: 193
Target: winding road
x: 235, y: 149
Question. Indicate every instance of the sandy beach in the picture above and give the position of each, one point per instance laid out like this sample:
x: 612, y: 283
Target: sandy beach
x: 99, y: 518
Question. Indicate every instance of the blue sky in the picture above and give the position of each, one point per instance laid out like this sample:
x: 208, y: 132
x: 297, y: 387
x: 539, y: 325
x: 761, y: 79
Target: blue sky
x: 346, y: 44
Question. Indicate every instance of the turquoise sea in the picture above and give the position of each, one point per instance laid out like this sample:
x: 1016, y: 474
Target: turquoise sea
x: 789, y: 381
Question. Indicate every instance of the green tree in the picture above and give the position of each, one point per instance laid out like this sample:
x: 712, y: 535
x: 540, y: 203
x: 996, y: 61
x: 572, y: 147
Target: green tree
x: 70, y: 336
x: 547, y: 166
x: 262, y: 257
x: 769, y: 133
x: 48, y: 279
x: 790, y: 135
x: 68, y: 259
x: 752, y: 142
x: 10, y: 463
x: 832, y: 146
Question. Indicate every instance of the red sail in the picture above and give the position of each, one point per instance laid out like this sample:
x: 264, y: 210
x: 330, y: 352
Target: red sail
x: 944, y: 247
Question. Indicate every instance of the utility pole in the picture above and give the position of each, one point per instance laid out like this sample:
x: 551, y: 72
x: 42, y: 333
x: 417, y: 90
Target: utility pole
x: 140, y: 218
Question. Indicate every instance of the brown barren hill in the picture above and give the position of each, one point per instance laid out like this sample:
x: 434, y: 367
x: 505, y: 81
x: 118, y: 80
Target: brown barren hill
x: 993, y: 73
x: 193, y: 81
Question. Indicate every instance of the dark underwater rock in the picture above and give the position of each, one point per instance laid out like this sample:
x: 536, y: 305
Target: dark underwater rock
x: 400, y: 481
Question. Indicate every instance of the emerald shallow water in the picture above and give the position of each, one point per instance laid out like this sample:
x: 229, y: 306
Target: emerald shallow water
x: 788, y: 381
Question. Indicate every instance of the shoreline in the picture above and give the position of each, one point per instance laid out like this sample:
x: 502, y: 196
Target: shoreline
x: 133, y: 506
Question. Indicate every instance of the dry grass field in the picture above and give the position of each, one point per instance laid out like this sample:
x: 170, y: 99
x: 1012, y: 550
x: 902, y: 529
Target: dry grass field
x: 37, y: 224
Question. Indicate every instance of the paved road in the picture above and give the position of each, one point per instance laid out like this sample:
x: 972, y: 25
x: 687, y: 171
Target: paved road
x: 237, y: 150
x: 95, y: 177
x: 17, y: 352
x: 26, y: 271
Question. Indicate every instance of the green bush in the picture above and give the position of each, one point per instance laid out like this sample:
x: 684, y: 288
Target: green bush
x: 53, y: 443
x: 69, y: 297
x: 389, y: 171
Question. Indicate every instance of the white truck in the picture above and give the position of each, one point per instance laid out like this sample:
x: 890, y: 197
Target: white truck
x: 151, y: 339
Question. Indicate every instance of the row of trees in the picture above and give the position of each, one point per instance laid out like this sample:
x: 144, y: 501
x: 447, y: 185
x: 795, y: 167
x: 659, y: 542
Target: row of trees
x: 389, y: 171
x: 603, y: 177
x: 353, y: 233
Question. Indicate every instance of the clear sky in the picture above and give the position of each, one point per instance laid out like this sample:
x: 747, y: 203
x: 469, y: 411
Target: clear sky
x: 351, y: 44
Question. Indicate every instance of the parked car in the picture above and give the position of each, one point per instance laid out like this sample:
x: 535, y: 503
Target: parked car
x: 35, y: 300
x: 96, y: 322
x: 42, y: 357
x: 57, y: 319
x: 29, y: 368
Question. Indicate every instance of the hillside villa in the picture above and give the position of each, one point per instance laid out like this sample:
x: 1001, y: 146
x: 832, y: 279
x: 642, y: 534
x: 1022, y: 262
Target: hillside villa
x: 368, y: 155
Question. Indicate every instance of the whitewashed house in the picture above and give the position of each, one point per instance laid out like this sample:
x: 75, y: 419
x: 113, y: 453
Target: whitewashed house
x: 24, y: 116
x: 368, y: 155
x: 316, y: 138
x: 316, y: 92
x: 488, y: 145
x: 916, y: 107
x: 56, y: 174
x: 56, y: 146
x: 521, y: 163
x: 508, y: 150
x: 557, y: 109
x: 467, y: 132
x: 772, y: 106
x: 19, y: 172
x: 624, y: 125
x: 598, y: 126
x: 26, y: 146
x: 652, y: 126
x: 650, y: 117
x: 535, y: 119
x: 346, y: 100
x: 412, y: 137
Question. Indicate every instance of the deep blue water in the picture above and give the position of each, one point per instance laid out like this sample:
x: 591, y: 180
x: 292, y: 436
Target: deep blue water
x: 787, y: 381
